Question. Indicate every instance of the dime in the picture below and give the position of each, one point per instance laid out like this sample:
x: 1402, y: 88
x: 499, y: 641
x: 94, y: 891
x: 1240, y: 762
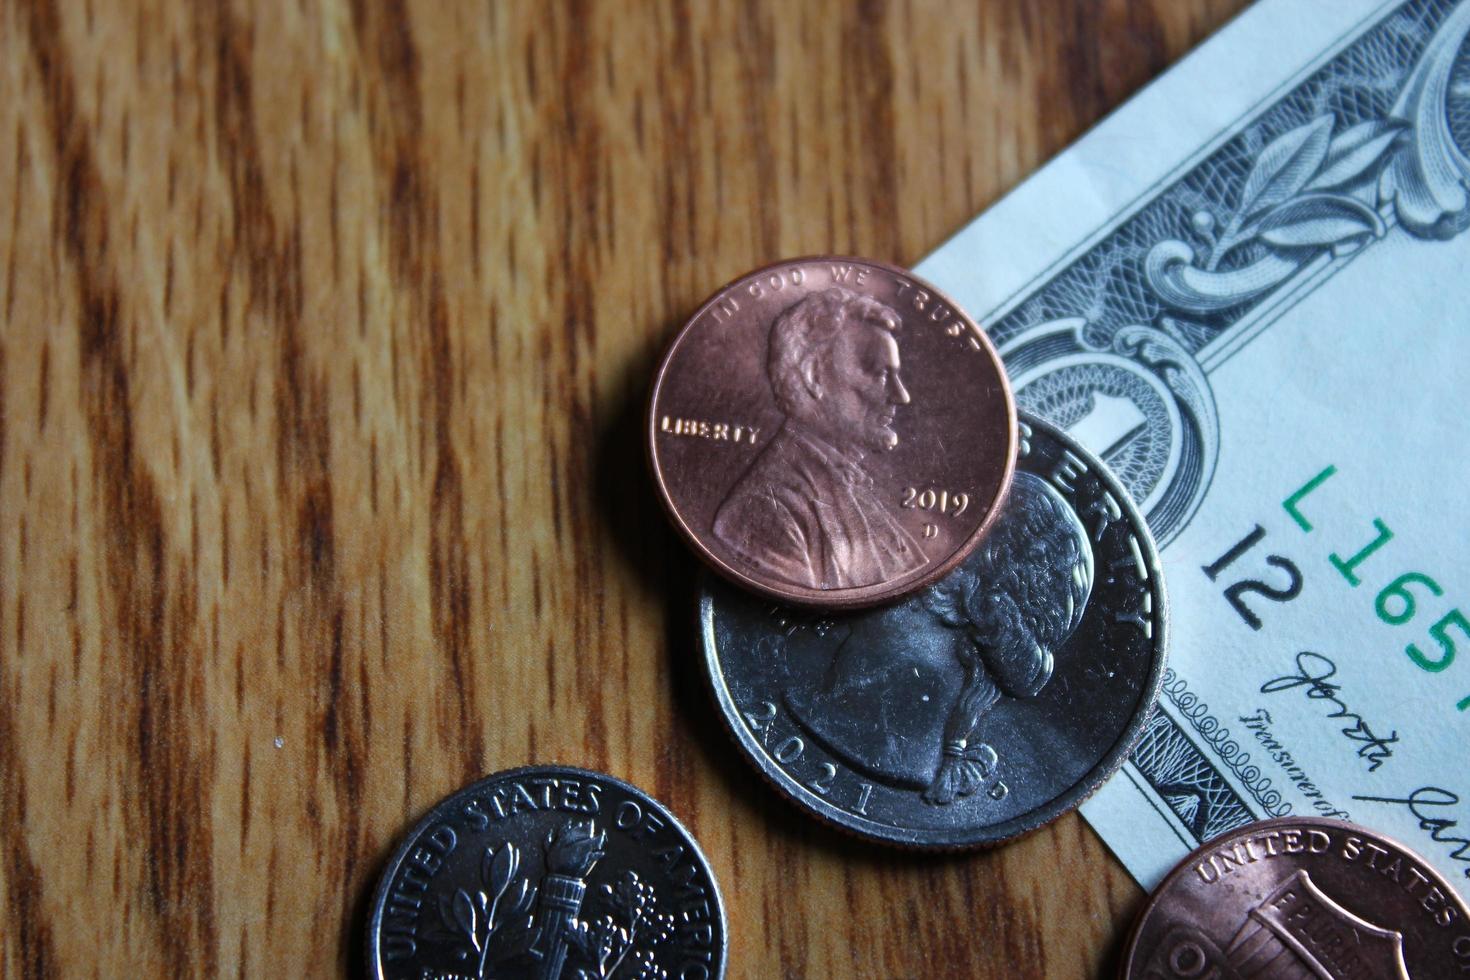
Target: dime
x: 1302, y: 897
x: 547, y: 872
x: 831, y: 432
x: 981, y: 708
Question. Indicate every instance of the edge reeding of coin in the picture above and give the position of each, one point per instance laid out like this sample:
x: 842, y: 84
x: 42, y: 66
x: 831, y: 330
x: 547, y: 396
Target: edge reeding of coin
x: 842, y: 599
x: 1014, y: 829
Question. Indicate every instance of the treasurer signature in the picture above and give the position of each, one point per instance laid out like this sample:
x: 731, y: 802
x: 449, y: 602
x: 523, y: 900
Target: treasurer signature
x: 1422, y: 805
x: 1313, y: 675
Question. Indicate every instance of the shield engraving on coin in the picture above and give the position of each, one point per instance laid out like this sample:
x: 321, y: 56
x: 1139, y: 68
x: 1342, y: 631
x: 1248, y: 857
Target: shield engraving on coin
x: 983, y: 706
x: 1299, y: 919
x: 1301, y: 897
x: 548, y: 873
x: 1296, y: 930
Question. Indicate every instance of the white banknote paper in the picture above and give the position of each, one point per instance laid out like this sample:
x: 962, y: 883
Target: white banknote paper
x: 1249, y: 291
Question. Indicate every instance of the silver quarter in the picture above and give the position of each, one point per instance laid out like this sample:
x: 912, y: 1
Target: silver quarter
x: 548, y: 873
x: 981, y: 708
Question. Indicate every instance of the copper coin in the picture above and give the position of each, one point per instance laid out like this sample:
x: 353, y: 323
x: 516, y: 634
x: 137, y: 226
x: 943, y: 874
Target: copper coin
x: 1304, y: 898
x: 832, y: 432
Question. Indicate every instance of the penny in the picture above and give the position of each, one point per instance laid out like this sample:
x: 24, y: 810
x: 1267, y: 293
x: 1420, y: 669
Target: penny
x: 980, y: 708
x: 831, y: 432
x: 547, y: 872
x: 1302, y: 897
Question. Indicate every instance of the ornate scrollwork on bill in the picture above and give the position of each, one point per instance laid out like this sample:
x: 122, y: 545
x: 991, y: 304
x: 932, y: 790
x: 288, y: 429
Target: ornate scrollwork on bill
x: 1203, y: 803
x: 1117, y: 341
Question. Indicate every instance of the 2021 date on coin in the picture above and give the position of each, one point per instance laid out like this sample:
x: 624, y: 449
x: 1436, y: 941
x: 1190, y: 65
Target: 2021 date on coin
x: 1302, y: 897
x: 547, y: 873
x: 831, y: 432
x: 980, y: 708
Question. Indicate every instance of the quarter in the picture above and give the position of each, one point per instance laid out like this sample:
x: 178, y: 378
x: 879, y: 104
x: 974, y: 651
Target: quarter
x: 831, y: 432
x: 980, y: 708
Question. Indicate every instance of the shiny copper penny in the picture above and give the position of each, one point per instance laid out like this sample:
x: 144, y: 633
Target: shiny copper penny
x: 1302, y: 899
x: 832, y: 432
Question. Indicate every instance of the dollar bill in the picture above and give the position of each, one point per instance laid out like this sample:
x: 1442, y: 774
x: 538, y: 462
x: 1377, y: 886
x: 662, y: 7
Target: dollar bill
x: 1249, y: 291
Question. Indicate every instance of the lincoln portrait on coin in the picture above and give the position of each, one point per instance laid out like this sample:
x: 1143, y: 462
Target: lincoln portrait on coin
x: 902, y: 694
x: 807, y: 511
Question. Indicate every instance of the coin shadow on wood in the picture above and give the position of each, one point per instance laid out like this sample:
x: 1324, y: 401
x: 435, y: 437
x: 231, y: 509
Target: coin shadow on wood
x: 355, y: 926
x: 626, y: 500
x: 1116, y: 951
x: 624, y: 496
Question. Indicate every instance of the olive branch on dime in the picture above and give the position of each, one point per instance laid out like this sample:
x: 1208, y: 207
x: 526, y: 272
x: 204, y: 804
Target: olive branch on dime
x: 495, y: 916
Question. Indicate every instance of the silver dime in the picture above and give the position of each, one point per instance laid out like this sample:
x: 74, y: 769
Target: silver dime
x: 981, y: 708
x: 551, y: 873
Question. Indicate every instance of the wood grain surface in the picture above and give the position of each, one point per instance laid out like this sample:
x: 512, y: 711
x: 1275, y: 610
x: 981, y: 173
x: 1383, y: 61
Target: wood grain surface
x: 327, y: 326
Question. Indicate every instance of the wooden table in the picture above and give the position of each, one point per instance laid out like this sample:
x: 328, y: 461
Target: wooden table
x: 326, y: 332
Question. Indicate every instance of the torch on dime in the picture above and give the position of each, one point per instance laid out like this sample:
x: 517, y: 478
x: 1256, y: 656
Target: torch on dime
x: 547, y: 873
x: 1302, y: 897
x: 831, y: 432
x: 980, y: 708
